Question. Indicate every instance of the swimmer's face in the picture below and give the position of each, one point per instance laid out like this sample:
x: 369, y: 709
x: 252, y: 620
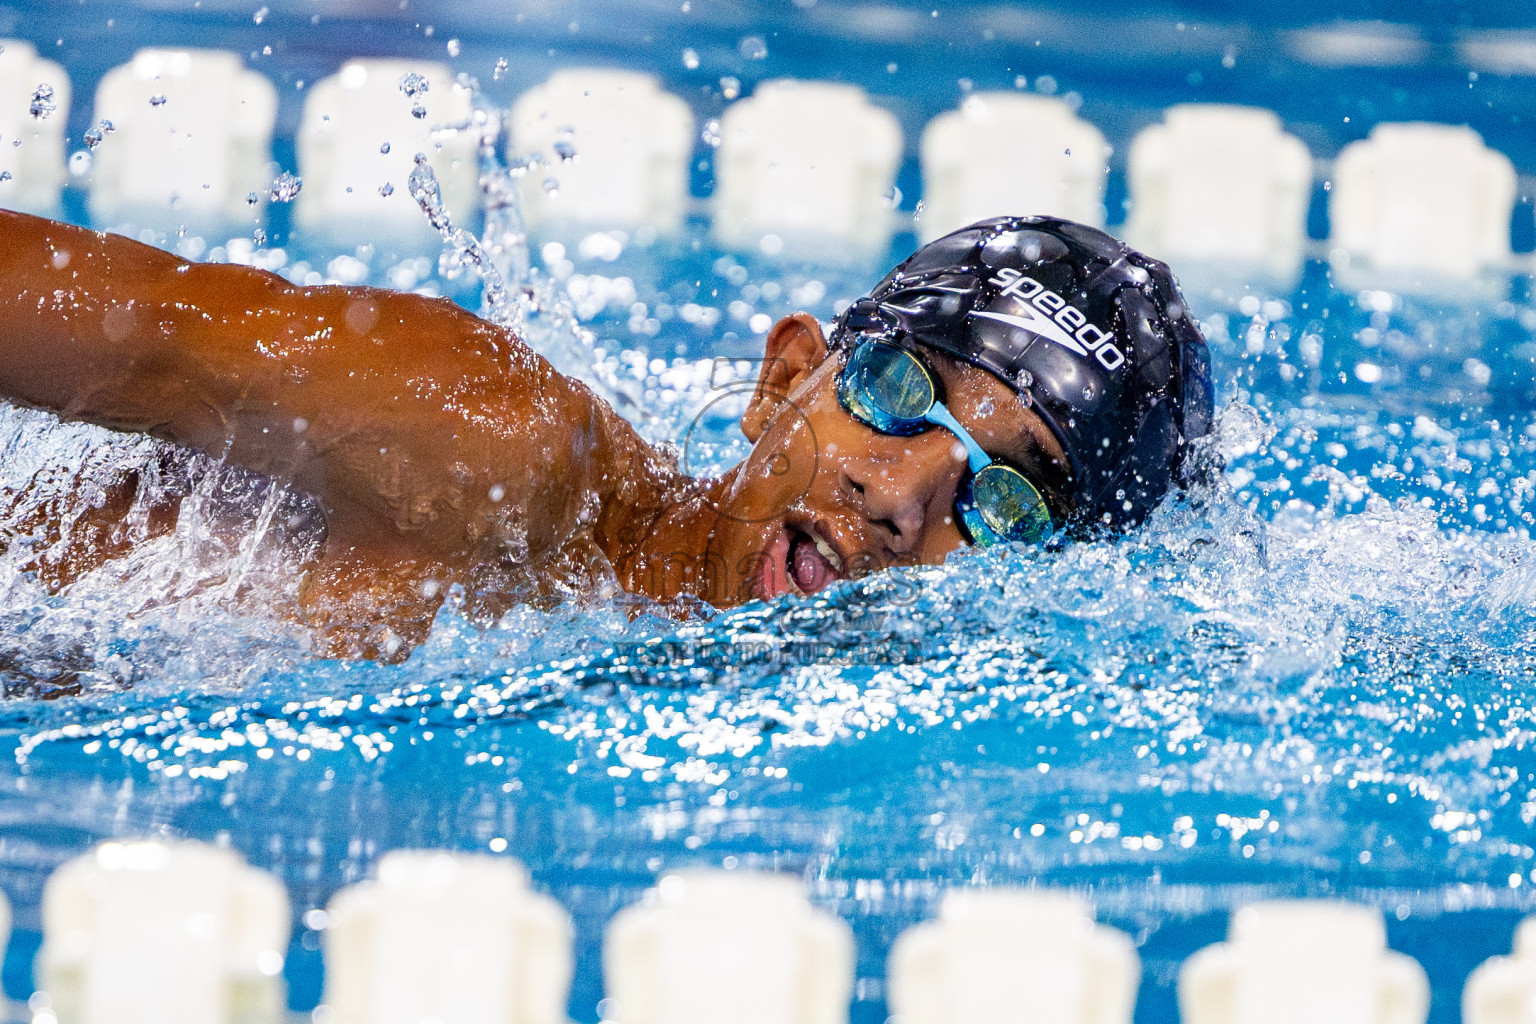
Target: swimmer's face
x: 823, y: 497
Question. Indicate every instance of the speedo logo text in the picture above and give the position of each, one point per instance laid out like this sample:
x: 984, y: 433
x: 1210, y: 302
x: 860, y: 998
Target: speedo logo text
x: 1048, y: 315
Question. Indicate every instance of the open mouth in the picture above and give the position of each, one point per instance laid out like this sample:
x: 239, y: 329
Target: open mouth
x: 799, y: 559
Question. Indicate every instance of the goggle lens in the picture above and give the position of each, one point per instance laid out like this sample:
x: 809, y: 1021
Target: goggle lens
x: 1000, y: 504
x: 887, y: 388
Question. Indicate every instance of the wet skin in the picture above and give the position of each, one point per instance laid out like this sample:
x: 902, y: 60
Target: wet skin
x: 442, y: 450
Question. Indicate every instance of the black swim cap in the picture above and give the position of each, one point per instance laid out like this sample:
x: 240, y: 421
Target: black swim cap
x: 1092, y: 333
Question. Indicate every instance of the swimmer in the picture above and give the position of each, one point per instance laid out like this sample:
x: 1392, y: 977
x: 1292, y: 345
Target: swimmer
x: 1016, y: 379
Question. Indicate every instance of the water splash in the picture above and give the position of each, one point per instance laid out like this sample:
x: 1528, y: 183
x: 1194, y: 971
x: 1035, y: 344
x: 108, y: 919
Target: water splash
x: 515, y: 295
x: 504, y: 238
x: 462, y: 248
x: 188, y: 537
x: 1217, y: 683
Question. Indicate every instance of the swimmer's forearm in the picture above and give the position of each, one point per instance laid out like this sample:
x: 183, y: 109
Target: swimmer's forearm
x: 396, y: 410
x: 101, y: 328
x: 66, y: 337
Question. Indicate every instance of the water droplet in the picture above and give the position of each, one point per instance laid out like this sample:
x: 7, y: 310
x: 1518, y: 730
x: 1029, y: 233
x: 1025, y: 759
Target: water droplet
x: 917, y: 211
x: 251, y: 198
x: 690, y: 59
x: 454, y: 48
x: 501, y: 69
x: 259, y: 237
x: 93, y: 136
x: 711, y: 134
x: 42, y: 104
x: 79, y: 162
x: 418, y: 111
x: 752, y: 47
x: 285, y: 187
x: 1024, y: 379
x: 386, y: 190
x: 892, y: 198
x: 157, y: 100
x: 260, y: 15
x: 413, y: 84
x: 730, y: 87
x: 522, y: 165
x: 384, y: 148
x: 565, y: 145
x: 551, y: 187
x: 5, y: 175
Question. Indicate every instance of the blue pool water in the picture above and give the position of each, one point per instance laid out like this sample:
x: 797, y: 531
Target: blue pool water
x: 1312, y: 679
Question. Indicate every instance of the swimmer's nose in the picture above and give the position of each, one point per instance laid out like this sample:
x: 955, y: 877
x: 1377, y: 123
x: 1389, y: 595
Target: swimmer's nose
x: 907, y: 484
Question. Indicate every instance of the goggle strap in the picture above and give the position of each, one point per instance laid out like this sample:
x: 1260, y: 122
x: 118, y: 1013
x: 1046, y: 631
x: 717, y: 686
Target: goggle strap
x: 939, y: 415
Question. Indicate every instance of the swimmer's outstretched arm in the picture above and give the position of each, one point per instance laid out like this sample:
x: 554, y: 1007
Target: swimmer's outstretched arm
x: 425, y: 432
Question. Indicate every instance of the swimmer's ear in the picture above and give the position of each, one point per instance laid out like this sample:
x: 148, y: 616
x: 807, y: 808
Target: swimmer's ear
x: 794, y: 348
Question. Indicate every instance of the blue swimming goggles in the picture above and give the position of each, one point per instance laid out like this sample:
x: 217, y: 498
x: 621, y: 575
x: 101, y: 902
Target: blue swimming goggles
x: 888, y: 388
